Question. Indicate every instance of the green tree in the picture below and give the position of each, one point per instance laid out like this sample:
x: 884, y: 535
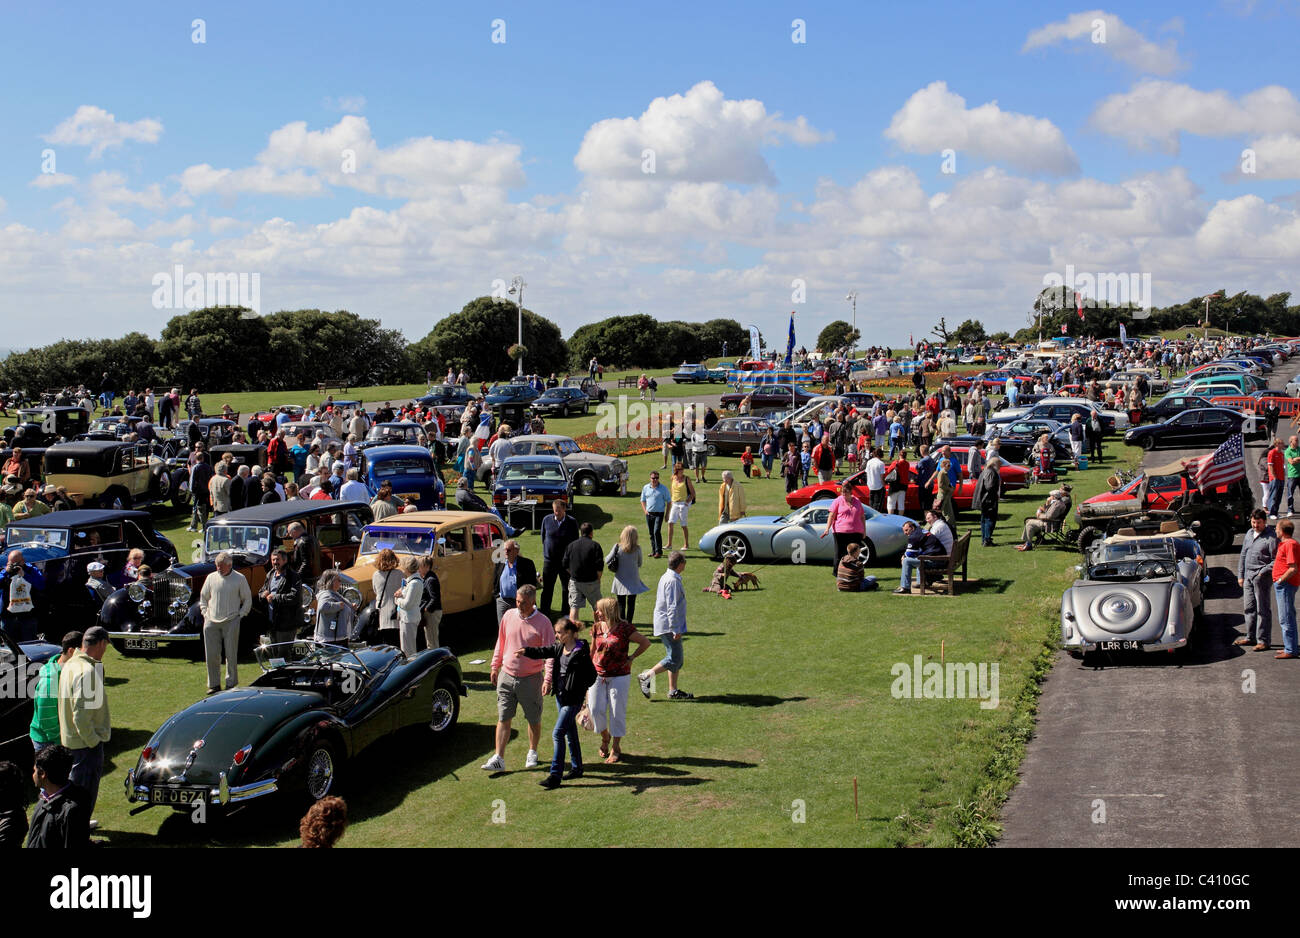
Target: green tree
x: 477, y: 337
x: 836, y: 335
x: 618, y: 341
x: 218, y: 349
x: 969, y: 332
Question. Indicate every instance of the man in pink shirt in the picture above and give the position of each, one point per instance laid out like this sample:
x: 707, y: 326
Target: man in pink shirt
x: 519, y: 680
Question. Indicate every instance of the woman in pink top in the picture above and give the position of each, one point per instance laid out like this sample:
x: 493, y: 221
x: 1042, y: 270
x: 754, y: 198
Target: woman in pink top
x: 848, y: 522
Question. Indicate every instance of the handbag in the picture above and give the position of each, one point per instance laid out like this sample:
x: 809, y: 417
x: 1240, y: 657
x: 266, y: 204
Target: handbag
x: 584, y: 718
x: 612, y: 563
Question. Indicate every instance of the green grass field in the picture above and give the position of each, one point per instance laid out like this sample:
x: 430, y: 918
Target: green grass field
x: 793, y: 705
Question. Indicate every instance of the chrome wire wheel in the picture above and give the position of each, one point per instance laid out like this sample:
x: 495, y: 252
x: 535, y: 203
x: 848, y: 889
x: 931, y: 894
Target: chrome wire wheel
x: 444, y: 709
x: 320, y: 773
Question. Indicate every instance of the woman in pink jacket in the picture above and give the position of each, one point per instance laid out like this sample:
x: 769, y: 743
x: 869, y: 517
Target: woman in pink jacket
x: 848, y: 522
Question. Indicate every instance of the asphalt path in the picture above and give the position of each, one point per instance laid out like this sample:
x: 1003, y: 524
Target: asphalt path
x: 1156, y: 753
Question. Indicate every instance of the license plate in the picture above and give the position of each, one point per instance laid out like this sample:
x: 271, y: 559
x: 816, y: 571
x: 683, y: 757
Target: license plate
x: 142, y: 644
x: 407, y: 494
x: 177, y: 795
x: 1118, y: 646
x: 533, y: 498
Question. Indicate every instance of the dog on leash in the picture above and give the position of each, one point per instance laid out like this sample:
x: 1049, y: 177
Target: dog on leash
x: 747, y: 581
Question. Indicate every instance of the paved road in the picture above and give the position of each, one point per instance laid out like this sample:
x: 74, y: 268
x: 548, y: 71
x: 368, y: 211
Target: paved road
x: 1153, y: 754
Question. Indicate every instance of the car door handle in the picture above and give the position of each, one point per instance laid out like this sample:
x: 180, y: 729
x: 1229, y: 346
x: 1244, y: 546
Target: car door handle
x: 410, y: 691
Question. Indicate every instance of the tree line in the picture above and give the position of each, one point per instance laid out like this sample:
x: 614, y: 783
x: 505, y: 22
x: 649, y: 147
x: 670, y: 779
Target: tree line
x: 234, y: 349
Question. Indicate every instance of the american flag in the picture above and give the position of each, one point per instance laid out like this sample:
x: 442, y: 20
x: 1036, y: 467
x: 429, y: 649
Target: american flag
x: 1226, y: 464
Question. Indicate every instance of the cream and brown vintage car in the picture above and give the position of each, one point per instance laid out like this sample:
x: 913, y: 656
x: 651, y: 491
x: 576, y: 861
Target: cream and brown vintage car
x: 462, y: 544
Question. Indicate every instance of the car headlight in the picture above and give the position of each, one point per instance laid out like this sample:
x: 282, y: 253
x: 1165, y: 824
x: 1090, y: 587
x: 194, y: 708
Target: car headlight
x: 136, y: 591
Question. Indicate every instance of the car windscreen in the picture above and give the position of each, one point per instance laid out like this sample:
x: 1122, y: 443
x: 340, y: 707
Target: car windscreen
x: 406, y: 466
x: 21, y: 534
x: 247, y: 539
x: 533, y: 472
x: 415, y: 541
x: 307, y: 654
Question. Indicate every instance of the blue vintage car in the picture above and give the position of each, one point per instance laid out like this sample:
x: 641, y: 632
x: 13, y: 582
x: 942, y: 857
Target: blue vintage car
x: 512, y: 393
x: 410, y: 469
x: 60, y: 545
x: 529, y: 483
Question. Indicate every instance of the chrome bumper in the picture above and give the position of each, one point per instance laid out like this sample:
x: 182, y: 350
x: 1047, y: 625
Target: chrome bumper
x: 158, y: 636
x: 223, y: 794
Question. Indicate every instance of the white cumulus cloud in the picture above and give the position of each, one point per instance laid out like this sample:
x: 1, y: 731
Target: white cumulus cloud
x: 1154, y: 113
x: 935, y: 119
x: 1114, y: 37
x: 94, y: 127
x: 700, y: 136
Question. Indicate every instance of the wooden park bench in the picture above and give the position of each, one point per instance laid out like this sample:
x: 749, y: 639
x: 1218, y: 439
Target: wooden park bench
x: 936, y: 574
x: 628, y: 382
x: 323, y: 387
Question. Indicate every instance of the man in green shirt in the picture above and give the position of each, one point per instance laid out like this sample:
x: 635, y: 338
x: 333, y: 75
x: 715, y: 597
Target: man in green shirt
x: 1292, y: 456
x: 45, y: 718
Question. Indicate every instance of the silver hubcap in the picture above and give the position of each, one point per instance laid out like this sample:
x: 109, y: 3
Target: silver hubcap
x: 444, y: 708
x: 320, y: 773
x: 731, y: 544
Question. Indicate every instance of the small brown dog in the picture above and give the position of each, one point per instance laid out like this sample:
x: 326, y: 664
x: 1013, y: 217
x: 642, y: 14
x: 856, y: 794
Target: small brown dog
x: 746, y: 581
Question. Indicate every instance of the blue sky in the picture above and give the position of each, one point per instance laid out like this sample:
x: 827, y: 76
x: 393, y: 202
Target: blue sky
x: 776, y: 161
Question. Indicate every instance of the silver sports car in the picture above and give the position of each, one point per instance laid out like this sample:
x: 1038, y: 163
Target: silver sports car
x: 776, y: 537
x: 1137, y: 594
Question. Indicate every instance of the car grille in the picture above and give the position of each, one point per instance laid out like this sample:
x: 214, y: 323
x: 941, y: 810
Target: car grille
x: 169, y: 587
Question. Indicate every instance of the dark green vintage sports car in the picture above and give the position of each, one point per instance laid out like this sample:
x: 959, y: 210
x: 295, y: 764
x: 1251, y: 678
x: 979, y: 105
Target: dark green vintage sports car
x: 314, y: 707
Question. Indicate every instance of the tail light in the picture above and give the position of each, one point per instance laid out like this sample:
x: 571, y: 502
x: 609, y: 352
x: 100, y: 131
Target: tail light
x: 498, y: 498
x: 242, y: 756
x: 147, y: 754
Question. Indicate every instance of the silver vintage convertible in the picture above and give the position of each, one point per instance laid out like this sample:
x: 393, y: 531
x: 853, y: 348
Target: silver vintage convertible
x: 1136, y: 594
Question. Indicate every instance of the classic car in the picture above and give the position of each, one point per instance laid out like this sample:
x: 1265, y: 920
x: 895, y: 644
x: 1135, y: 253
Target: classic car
x: 826, y: 491
x: 109, y: 473
x: 110, y: 428
x: 445, y: 395
x: 1018, y: 437
x: 60, y: 545
x: 1135, y: 595
x: 562, y: 402
x: 267, y: 417
x: 776, y: 537
x: 1224, y: 385
x: 1219, y: 514
x: 461, y: 543
x: 768, y: 397
x: 592, y: 389
x: 43, y: 426
x: 409, y: 469
x: 514, y: 392
x: 309, y: 429
x: 733, y: 434
x: 20, y: 664
x: 241, y: 454
x: 1204, y: 426
x: 698, y: 374
x: 293, y: 730
x: 525, y: 481
x: 590, y: 472
x: 1062, y: 409
x: 1172, y: 404
x: 166, y: 614
x: 34, y: 456
x: 396, y: 432
x: 211, y: 431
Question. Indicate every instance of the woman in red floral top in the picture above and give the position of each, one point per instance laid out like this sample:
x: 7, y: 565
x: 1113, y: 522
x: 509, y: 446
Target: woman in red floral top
x: 607, y: 699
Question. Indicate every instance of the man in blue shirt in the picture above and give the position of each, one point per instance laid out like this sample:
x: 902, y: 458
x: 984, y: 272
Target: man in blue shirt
x: 558, y: 532
x: 669, y: 627
x: 654, y: 502
x: 509, y: 574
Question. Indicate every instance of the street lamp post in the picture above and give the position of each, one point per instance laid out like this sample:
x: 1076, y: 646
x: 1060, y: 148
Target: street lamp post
x: 852, y: 298
x: 517, y: 285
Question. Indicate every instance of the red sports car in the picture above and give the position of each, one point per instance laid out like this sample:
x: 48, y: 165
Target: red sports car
x: 1013, y: 477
